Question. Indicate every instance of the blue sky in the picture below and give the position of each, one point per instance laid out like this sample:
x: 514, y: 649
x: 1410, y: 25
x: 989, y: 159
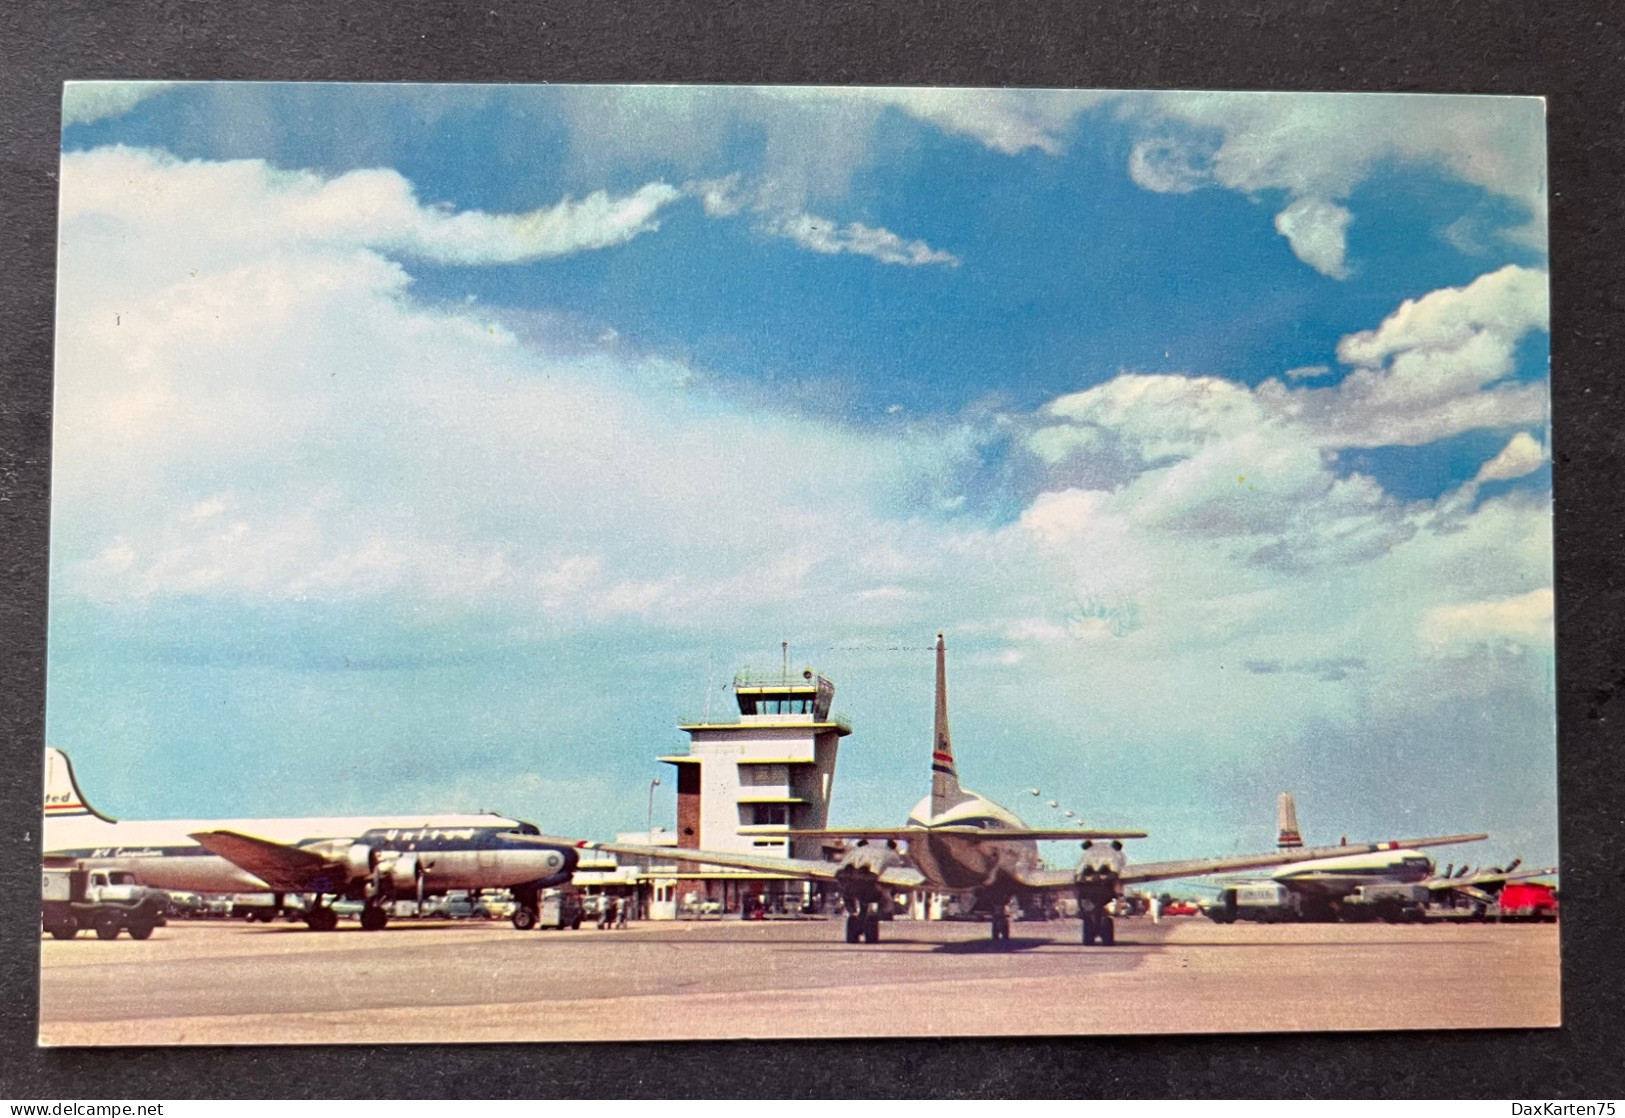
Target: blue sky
x: 443, y: 447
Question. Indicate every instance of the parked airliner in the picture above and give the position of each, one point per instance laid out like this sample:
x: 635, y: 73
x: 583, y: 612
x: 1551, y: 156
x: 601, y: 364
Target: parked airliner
x: 1355, y: 882
x: 373, y: 859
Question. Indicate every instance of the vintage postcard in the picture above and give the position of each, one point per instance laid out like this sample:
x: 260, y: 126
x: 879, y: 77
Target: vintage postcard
x: 617, y: 563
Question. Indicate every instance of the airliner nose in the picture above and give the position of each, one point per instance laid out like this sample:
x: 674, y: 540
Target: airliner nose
x: 542, y: 859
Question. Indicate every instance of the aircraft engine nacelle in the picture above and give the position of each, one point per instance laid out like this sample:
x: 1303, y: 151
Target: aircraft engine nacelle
x: 1098, y: 876
x: 359, y: 860
x: 858, y: 877
x: 403, y: 873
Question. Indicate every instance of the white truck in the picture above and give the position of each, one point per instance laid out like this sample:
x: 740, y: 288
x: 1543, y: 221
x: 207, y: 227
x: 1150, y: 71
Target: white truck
x: 110, y: 901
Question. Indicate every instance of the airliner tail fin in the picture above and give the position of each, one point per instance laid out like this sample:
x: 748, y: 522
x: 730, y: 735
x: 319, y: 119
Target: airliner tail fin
x: 945, y: 790
x: 1286, y: 820
x: 63, y: 800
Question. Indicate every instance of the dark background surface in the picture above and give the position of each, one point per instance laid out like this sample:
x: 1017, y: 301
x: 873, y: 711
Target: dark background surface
x: 1571, y: 54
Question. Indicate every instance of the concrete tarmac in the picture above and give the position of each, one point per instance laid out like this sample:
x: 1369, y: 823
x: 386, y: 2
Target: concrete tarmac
x: 213, y: 982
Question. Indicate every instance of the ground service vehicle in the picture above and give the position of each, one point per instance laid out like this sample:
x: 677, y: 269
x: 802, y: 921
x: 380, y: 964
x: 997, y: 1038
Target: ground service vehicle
x: 254, y: 906
x: 1528, y: 900
x: 1395, y: 904
x: 1270, y: 902
x: 1264, y: 901
x: 560, y: 908
x: 110, y: 901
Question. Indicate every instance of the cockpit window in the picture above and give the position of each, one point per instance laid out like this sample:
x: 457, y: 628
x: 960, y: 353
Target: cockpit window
x: 527, y: 829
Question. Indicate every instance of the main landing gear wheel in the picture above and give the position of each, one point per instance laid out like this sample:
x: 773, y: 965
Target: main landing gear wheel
x: 871, y: 928
x: 854, y: 928
x: 524, y: 918
x: 1001, y: 925
x: 373, y: 918
x: 322, y: 919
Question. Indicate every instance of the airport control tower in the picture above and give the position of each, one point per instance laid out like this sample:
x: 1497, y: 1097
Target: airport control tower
x: 742, y: 786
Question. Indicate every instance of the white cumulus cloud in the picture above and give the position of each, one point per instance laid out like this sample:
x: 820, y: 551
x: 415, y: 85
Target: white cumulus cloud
x: 1523, y: 619
x: 1200, y: 458
x: 87, y: 102
x: 724, y: 198
x: 255, y: 205
x: 822, y: 235
x: 1006, y: 120
x: 1436, y: 367
x: 1521, y: 456
x: 1318, y: 147
x: 1317, y: 231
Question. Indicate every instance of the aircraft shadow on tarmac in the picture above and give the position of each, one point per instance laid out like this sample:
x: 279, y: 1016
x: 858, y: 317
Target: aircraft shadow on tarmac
x: 394, y: 929
x: 1319, y: 945
x: 993, y: 946
x: 1012, y: 946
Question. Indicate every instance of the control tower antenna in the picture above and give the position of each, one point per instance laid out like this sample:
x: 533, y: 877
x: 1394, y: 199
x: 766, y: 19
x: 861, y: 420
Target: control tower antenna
x: 784, y: 647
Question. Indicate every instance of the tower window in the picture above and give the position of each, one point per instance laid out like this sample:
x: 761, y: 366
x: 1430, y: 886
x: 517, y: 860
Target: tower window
x: 767, y: 815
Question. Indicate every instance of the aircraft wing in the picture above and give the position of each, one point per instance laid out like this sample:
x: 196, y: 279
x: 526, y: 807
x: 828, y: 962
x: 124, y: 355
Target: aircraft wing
x: 900, y: 877
x: 904, y: 833
x: 1201, y: 867
x: 1477, y: 881
x: 279, y: 865
x: 1047, y: 879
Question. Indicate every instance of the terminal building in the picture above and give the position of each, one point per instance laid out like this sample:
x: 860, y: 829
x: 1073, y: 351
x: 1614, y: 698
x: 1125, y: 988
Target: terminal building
x: 743, y: 786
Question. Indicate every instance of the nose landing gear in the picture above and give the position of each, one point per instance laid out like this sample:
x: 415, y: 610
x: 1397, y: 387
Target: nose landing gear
x: 1096, y: 889
x: 1098, y: 925
x: 863, y: 922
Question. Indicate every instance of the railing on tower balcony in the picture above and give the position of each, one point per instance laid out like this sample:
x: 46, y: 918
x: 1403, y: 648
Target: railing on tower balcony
x: 732, y: 718
x: 806, y: 679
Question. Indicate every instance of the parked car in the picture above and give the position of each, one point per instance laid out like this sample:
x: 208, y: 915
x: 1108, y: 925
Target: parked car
x: 493, y: 908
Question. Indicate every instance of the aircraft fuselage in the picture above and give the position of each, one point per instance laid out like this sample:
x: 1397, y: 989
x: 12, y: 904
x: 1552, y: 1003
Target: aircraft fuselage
x: 959, y: 863
x: 454, y: 851
x: 1339, y: 877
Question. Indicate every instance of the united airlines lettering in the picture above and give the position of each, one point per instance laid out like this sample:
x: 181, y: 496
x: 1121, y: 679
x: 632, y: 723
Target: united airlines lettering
x: 429, y: 834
